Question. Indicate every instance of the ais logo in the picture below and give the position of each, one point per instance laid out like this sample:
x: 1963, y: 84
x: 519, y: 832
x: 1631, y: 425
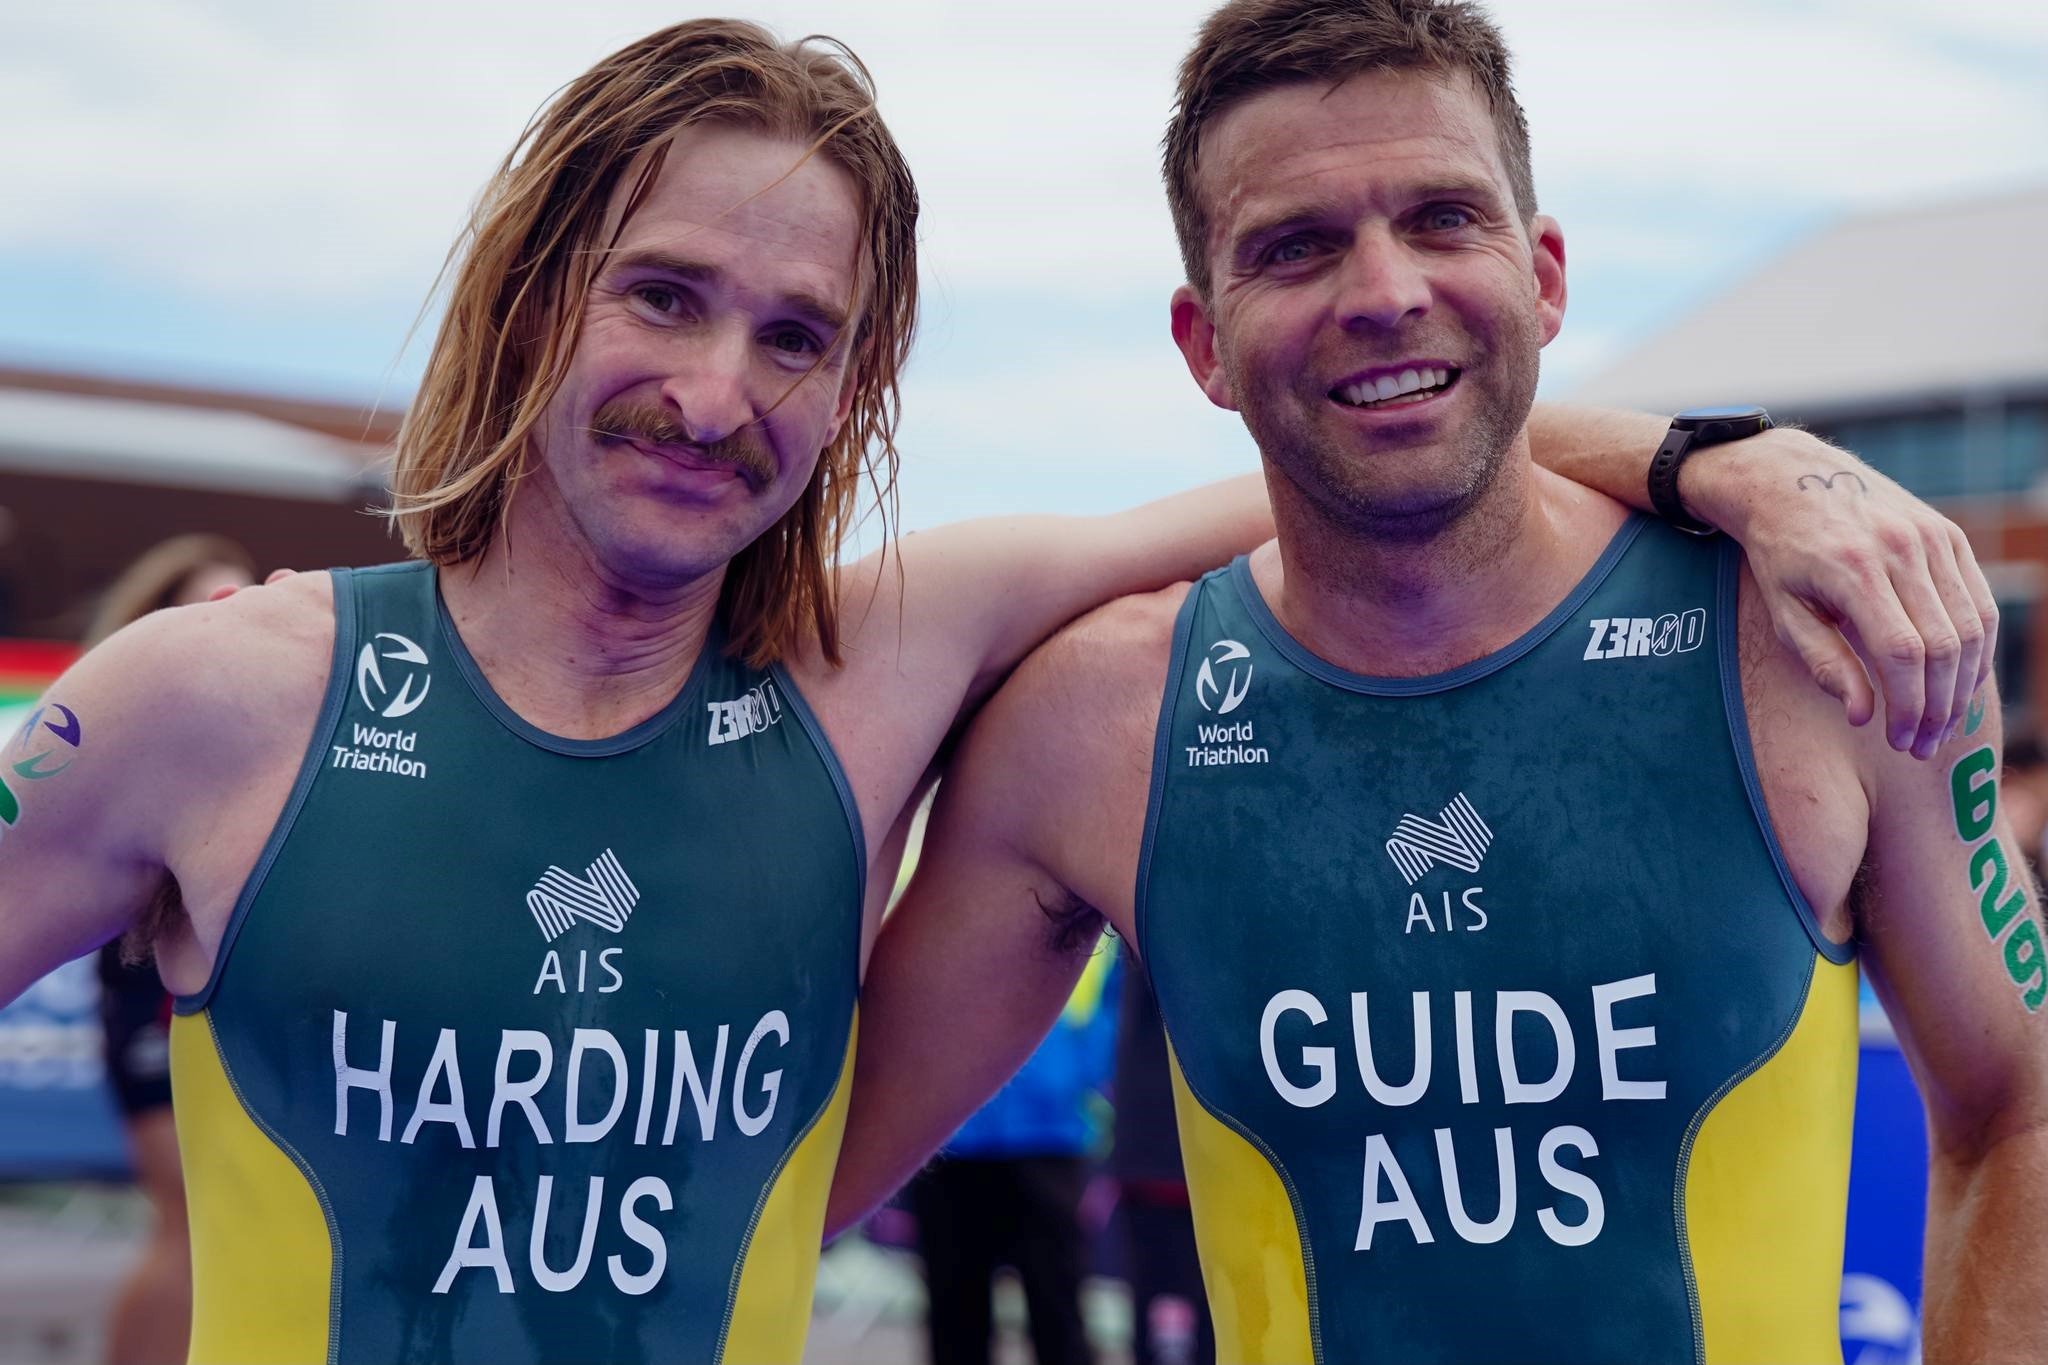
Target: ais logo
x: 1235, y: 662
x: 375, y: 688
x: 1458, y: 838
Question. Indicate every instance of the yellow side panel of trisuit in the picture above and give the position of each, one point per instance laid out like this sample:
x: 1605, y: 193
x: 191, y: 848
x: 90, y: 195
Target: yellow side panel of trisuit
x: 771, y: 1311
x: 262, y: 1263
x: 1767, y: 1189
x: 1251, y: 1248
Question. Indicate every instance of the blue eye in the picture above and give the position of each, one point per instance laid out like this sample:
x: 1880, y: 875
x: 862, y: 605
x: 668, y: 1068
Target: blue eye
x: 1446, y: 218
x: 794, y: 341
x: 659, y: 297
x: 1288, y: 251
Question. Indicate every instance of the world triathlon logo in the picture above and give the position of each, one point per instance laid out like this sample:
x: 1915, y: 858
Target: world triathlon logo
x: 1458, y: 838
x: 1227, y: 696
x: 604, y: 895
x: 375, y: 688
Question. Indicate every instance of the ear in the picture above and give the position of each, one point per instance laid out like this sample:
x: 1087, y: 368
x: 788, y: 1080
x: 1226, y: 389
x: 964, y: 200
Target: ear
x: 1546, y: 250
x: 1195, y: 334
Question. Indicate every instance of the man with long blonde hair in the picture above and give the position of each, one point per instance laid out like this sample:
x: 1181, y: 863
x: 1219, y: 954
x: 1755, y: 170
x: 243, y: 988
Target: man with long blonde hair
x: 523, y: 889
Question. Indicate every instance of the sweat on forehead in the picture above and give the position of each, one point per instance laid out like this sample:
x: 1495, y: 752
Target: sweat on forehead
x: 1295, y: 149
x: 702, y: 189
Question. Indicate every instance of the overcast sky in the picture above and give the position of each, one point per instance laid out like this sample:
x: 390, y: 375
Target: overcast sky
x: 259, y: 194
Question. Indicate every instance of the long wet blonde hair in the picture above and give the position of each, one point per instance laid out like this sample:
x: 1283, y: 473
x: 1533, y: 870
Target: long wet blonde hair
x: 533, y: 246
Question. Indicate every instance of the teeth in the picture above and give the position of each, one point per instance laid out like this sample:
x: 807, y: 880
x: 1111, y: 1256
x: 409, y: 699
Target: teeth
x: 1394, y: 386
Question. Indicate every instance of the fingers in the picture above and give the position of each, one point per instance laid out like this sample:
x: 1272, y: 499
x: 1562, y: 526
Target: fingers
x: 1950, y: 583
x: 1827, y: 656
x: 1918, y: 718
x: 1884, y: 635
x: 1981, y: 600
x: 227, y: 590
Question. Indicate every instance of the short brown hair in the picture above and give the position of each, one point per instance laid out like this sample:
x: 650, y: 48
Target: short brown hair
x: 532, y: 248
x: 1250, y: 46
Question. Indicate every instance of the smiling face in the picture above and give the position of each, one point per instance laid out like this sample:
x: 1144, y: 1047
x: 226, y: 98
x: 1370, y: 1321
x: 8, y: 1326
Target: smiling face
x: 712, y: 366
x: 1376, y: 305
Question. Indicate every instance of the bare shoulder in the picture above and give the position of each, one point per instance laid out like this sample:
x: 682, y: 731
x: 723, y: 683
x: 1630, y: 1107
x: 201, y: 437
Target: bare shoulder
x: 1061, y: 757
x: 181, y: 736
x: 1107, y: 668
x: 258, y: 660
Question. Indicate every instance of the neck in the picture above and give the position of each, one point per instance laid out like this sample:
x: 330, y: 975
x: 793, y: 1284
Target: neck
x: 1410, y: 606
x: 574, y: 648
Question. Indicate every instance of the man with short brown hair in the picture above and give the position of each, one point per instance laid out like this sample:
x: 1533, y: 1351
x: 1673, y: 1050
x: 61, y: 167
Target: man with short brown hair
x: 1499, y: 873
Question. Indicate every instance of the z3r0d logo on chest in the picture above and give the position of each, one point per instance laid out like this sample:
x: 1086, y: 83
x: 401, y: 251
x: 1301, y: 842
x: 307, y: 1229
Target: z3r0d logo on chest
x: 747, y: 714
x: 1644, y: 637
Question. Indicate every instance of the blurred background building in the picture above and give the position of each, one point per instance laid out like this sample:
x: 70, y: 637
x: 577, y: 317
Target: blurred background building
x: 94, y: 469
x: 1919, y: 340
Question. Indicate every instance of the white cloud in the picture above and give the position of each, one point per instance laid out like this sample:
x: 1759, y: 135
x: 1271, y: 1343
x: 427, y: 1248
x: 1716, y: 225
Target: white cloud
x: 317, y: 158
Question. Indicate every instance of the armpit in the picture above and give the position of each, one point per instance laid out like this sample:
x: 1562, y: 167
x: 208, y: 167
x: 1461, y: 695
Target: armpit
x: 1073, y: 924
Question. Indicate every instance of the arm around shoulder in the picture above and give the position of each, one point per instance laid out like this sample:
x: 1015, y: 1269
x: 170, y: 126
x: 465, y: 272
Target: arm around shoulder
x: 977, y: 596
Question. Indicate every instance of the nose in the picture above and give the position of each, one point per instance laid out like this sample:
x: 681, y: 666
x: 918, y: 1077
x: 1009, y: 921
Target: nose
x: 710, y: 388
x: 1381, y: 283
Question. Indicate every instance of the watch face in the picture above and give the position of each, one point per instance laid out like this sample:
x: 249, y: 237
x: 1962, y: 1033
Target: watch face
x: 1733, y: 413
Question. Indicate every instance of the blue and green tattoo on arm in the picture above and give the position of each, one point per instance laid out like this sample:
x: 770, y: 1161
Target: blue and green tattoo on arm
x: 42, y: 748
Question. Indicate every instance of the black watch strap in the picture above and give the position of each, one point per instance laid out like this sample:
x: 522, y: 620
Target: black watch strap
x: 1678, y: 443
x: 1692, y: 431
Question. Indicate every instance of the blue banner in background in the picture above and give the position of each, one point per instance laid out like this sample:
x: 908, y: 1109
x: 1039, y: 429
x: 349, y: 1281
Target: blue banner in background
x: 57, y: 1117
x: 1887, y: 1205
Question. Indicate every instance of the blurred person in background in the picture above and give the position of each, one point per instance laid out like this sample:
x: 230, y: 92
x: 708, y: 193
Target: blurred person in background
x: 417, y: 804
x: 1007, y: 1189
x: 151, y: 1319
x: 1169, y: 1312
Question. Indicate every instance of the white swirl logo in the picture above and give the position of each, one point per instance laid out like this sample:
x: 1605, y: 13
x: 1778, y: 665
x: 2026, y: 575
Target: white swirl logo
x: 370, y: 681
x: 1229, y: 695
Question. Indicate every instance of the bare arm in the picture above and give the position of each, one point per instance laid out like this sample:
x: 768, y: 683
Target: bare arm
x: 1952, y: 934
x: 142, y: 765
x: 80, y: 843
x: 1851, y: 565
x: 958, y: 606
x: 974, y: 963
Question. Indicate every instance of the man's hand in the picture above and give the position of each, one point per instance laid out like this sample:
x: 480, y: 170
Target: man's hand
x: 227, y: 590
x: 1854, y: 567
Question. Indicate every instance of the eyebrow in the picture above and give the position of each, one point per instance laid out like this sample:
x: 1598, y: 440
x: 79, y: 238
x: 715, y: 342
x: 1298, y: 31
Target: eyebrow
x: 1306, y: 214
x: 801, y: 302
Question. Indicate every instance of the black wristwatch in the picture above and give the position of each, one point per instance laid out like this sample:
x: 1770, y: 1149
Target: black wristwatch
x: 1691, y: 430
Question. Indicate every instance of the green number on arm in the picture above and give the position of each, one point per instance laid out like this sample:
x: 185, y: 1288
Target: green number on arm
x: 1974, y: 794
x: 2023, y: 963
x: 1991, y: 855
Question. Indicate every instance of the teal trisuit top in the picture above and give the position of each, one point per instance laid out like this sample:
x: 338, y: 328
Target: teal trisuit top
x: 1501, y: 1030
x: 521, y: 1048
